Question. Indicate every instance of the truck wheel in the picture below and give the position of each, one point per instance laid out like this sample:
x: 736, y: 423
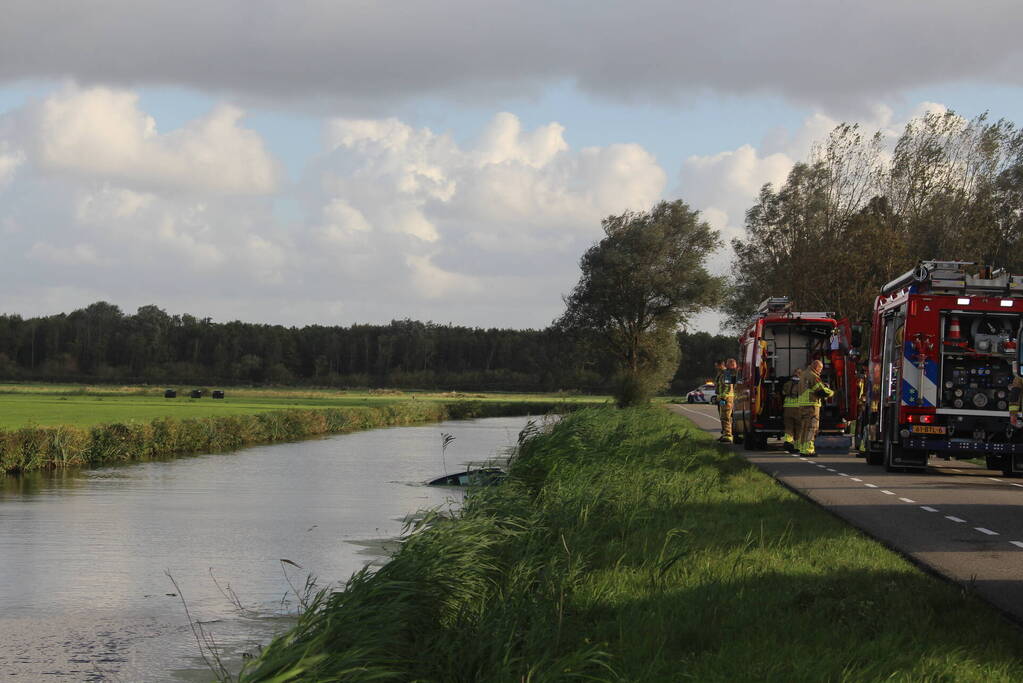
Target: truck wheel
x: 890, y: 451
x: 1006, y: 467
x: 874, y: 457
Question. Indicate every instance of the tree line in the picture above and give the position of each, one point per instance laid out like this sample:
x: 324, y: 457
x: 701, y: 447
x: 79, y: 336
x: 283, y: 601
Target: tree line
x: 100, y: 343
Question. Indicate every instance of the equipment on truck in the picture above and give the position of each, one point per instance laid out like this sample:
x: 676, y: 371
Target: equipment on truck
x: 776, y: 343
x: 944, y: 351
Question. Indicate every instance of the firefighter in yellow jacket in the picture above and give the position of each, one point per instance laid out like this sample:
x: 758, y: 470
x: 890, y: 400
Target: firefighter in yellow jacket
x: 719, y: 383
x: 726, y: 398
x: 1016, y: 401
x: 811, y: 391
x: 790, y: 410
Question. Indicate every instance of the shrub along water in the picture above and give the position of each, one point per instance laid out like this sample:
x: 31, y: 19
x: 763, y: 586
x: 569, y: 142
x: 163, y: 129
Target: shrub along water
x: 40, y: 448
x: 626, y: 545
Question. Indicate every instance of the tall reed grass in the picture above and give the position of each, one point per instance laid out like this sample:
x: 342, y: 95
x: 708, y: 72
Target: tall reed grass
x: 41, y: 448
x: 626, y: 546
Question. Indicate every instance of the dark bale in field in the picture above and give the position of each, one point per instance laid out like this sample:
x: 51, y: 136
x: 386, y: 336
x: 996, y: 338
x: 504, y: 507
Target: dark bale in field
x: 217, y: 393
x: 195, y: 393
x: 170, y: 393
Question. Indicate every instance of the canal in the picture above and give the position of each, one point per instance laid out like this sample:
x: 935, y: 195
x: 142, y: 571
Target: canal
x: 94, y: 564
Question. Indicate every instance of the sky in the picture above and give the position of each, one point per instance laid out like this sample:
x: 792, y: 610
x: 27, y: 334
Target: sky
x: 355, y: 161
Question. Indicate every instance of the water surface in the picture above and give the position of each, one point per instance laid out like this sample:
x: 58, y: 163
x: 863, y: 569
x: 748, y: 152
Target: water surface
x: 84, y: 556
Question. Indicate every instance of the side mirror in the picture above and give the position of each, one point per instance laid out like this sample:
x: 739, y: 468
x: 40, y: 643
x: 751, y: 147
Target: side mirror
x: 730, y: 377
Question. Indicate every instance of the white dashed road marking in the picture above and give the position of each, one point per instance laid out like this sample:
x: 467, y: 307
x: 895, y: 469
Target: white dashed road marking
x: 855, y: 479
x: 842, y: 474
x: 929, y: 509
x: 890, y: 493
x: 1018, y: 544
x: 873, y: 486
x: 986, y: 531
x: 955, y: 519
x: 907, y: 500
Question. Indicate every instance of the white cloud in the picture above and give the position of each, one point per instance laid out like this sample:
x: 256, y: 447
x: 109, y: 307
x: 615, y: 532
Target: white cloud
x: 393, y: 220
x: 724, y: 185
x: 503, y: 140
x: 436, y: 283
x: 102, y: 133
x: 9, y: 162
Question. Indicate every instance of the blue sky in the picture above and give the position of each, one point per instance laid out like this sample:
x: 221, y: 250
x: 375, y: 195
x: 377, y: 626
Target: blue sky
x: 383, y: 161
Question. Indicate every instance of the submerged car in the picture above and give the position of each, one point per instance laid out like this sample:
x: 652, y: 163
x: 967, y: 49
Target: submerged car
x: 702, y: 394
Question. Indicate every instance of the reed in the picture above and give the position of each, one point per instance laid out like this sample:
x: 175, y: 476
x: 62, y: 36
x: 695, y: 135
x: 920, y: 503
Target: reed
x: 627, y: 546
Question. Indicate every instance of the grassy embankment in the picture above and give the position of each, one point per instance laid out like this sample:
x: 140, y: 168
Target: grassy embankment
x: 47, y: 427
x: 628, y: 546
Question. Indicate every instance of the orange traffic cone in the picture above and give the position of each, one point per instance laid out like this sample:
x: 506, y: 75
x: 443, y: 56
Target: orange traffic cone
x: 953, y: 328
x: 954, y: 334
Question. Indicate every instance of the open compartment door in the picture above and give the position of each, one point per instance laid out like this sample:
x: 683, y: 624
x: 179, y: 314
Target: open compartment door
x: 845, y: 371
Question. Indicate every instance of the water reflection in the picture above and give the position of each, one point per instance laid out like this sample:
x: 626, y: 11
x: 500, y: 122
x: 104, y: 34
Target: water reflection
x: 83, y: 555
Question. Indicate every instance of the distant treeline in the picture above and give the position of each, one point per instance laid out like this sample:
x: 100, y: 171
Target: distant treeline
x: 100, y: 343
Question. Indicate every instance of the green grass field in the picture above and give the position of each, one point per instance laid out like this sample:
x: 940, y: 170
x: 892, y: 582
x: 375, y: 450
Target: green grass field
x: 83, y: 406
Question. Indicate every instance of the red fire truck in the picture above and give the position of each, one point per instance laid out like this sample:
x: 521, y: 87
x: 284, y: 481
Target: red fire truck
x: 944, y: 343
x: 776, y: 343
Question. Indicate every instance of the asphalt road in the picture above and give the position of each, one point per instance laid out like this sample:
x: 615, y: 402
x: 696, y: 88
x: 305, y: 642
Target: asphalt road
x: 960, y: 520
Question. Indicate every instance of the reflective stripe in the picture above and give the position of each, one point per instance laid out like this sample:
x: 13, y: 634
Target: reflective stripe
x: 807, y: 398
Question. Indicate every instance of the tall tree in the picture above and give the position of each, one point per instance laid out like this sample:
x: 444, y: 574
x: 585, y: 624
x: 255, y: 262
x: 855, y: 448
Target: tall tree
x: 855, y: 215
x: 639, y: 284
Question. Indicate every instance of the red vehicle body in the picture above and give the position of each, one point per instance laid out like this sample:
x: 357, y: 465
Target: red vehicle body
x: 944, y: 342
x: 776, y: 343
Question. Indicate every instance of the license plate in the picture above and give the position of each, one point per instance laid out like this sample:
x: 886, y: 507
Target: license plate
x: 926, y: 429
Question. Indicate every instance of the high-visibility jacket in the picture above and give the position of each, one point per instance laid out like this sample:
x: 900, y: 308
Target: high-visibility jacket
x: 790, y: 390
x: 809, y: 386
x: 1015, y: 395
x: 723, y: 389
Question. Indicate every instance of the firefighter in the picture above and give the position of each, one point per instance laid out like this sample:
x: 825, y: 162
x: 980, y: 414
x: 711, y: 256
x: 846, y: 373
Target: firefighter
x: 861, y: 410
x: 1015, y: 399
x: 790, y: 410
x: 719, y: 388
x: 811, y: 391
x: 726, y: 397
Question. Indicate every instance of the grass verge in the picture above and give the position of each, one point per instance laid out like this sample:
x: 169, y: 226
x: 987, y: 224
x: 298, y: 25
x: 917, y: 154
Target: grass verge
x: 628, y: 546
x: 40, y: 448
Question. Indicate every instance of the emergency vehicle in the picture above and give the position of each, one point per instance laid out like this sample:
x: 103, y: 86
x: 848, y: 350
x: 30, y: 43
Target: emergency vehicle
x: 776, y: 343
x: 944, y: 343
